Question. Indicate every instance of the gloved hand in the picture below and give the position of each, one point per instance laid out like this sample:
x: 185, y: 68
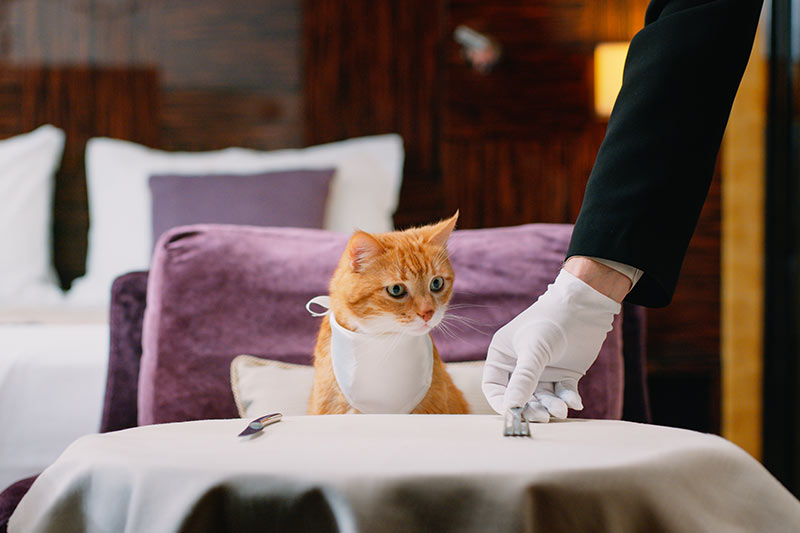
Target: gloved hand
x: 538, y: 357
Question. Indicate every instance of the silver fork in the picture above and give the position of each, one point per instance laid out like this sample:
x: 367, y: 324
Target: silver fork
x: 515, y: 423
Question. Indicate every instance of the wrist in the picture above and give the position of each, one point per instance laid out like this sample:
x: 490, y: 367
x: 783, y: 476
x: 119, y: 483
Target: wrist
x: 600, y: 277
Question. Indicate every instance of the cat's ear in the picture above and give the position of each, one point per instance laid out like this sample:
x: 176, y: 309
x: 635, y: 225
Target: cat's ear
x: 362, y: 248
x: 439, y: 233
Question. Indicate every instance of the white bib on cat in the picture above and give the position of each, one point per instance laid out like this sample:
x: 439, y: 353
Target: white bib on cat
x: 379, y: 374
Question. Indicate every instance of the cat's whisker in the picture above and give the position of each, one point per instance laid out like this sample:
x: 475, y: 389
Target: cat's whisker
x: 467, y: 305
x: 453, y: 317
x: 446, y: 330
x: 448, y: 333
x: 456, y: 321
x: 470, y: 320
x: 440, y: 327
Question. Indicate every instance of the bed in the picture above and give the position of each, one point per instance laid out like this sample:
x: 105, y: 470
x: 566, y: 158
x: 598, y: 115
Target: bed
x: 54, y: 348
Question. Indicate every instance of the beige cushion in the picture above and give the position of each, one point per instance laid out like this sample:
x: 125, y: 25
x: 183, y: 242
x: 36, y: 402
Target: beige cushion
x: 261, y: 386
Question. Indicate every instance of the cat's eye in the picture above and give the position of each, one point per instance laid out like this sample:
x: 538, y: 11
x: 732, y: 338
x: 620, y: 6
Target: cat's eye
x: 396, y: 290
x: 437, y: 284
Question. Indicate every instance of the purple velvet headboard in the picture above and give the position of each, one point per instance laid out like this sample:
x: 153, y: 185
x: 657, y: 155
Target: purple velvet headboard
x: 127, y: 309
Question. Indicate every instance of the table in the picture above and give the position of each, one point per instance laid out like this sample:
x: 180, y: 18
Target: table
x: 405, y: 473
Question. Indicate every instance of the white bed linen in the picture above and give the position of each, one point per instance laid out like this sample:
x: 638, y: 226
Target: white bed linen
x: 405, y: 473
x: 28, y: 163
x: 52, y: 384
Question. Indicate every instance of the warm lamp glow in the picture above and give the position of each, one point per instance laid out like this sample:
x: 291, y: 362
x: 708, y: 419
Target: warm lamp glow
x: 609, y: 60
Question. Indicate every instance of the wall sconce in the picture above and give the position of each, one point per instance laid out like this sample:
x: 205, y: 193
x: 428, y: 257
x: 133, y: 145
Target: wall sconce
x: 609, y: 61
x: 481, y: 51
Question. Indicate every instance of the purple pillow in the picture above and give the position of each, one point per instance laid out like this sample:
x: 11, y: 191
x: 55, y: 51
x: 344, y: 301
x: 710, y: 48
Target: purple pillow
x: 286, y: 198
x: 215, y: 292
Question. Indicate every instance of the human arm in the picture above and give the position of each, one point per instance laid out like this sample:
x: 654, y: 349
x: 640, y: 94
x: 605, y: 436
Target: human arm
x: 642, y: 201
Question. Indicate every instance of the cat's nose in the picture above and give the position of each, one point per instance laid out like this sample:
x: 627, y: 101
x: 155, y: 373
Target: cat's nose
x: 426, y: 315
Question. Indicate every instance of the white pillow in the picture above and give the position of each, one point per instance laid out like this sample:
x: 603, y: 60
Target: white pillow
x: 28, y: 164
x: 363, y: 193
x: 261, y: 386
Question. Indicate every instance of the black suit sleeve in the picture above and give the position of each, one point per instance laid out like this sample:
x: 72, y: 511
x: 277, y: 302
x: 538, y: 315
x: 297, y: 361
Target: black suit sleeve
x: 655, y: 165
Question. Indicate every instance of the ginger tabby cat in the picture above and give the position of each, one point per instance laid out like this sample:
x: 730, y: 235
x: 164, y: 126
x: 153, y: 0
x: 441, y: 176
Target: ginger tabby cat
x: 389, y: 284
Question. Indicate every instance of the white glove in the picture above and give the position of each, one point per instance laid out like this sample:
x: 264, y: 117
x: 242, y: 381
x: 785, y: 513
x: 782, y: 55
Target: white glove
x: 537, y: 359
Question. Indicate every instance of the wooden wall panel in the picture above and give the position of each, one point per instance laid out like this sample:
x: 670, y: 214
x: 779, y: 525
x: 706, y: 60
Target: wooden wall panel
x: 233, y: 67
x: 247, y: 44
x: 501, y: 182
x: 373, y: 67
x: 524, y: 96
x: 536, y: 105
x: 542, y: 81
x: 209, y: 119
x: 84, y: 102
x: 225, y: 73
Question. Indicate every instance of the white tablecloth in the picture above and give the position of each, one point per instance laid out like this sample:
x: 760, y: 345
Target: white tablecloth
x: 376, y: 473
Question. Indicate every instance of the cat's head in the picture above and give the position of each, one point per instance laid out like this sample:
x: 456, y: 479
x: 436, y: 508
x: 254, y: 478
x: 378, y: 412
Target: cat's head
x: 398, y: 282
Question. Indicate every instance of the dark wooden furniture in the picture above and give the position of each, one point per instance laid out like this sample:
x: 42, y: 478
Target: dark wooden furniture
x: 782, y: 286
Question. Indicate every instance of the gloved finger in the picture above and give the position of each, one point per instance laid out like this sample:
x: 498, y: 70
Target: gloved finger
x: 546, y: 395
x: 536, y: 412
x: 494, y: 395
x: 567, y: 390
x: 496, y: 373
x: 525, y: 376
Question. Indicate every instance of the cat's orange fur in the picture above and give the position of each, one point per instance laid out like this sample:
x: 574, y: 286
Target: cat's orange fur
x: 358, y: 293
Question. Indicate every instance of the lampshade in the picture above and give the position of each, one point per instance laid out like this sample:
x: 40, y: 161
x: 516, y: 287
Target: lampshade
x: 609, y: 60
